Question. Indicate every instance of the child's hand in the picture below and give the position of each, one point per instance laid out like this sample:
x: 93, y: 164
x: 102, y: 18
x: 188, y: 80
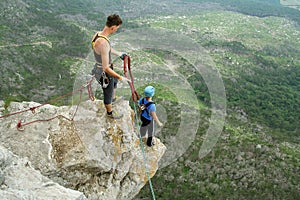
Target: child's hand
x: 160, y: 124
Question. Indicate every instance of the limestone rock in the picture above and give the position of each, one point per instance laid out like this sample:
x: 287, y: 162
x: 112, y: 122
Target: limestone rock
x: 20, y: 181
x: 92, y: 154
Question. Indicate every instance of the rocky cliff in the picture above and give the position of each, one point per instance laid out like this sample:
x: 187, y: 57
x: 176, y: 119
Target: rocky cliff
x: 89, y: 157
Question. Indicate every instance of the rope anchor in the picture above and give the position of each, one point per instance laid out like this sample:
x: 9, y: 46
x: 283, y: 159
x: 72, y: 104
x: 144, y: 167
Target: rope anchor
x: 20, y: 124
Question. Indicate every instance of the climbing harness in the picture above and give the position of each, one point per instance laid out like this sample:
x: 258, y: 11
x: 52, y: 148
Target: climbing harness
x: 135, y: 98
x: 105, y: 80
x: 96, y: 37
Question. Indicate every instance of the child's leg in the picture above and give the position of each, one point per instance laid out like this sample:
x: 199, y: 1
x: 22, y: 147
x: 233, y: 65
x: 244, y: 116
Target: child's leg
x: 150, y: 128
x: 143, y: 130
x: 144, y: 126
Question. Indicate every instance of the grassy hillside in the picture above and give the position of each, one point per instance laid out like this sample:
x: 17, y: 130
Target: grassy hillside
x: 258, y: 60
x: 39, y: 41
x: 260, y: 8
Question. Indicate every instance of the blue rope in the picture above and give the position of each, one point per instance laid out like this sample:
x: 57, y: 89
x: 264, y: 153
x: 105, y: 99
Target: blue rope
x: 143, y: 151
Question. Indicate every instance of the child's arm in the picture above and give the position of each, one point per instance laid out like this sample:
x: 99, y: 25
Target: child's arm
x: 156, y: 118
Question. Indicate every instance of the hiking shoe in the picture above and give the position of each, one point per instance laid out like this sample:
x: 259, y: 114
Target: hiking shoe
x: 114, y: 115
x: 150, y: 142
x: 116, y: 100
x: 150, y: 145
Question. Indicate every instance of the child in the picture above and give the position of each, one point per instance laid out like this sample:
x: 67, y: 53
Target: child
x: 148, y: 109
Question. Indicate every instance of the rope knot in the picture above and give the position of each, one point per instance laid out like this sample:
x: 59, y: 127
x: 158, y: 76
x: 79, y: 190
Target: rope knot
x: 19, y: 125
x: 33, y: 109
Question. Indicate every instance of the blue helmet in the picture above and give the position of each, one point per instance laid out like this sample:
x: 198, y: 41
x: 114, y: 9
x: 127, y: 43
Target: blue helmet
x: 149, y: 91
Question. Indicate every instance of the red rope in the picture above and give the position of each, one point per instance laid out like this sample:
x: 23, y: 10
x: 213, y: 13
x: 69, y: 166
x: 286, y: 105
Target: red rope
x: 32, y: 109
x: 134, y: 94
x: 91, y: 95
